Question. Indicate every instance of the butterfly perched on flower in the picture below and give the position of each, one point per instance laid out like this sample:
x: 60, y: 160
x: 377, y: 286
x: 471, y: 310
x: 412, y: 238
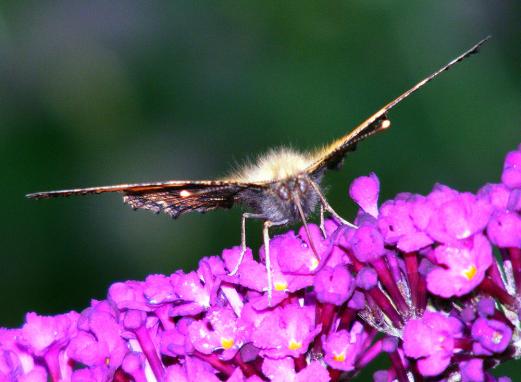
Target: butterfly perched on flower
x: 282, y: 187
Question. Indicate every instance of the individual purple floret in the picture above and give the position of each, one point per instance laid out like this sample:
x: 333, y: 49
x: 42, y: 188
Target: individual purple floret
x: 461, y: 266
x: 366, y: 242
x: 403, y: 221
x: 491, y: 336
x: 344, y: 348
x: 511, y: 176
x: 220, y: 331
x: 47, y: 338
x: 504, y: 229
x: 431, y: 340
x: 432, y: 283
x: 364, y: 191
x: 296, y: 329
x: 333, y: 285
x: 456, y: 216
x: 472, y: 370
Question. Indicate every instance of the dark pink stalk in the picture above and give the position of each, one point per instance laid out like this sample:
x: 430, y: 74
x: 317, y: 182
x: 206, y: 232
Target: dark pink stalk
x: 411, y: 266
x: 421, y: 292
x: 491, y: 288
x: 371, y: 334
x: 300, y: 363
x: 121, y: 376
x: 369, y: 355
x: 495, y: 275
x: 247, y: 369
x: 150, y: 352
x: 463, y: 343
x: 216, y: 363
x: 376, y: 294
x: 166, y: 321
x: 381, y: 300
x: 515, y: 258
x: 325, y: 315
x: 347, y: 318
x: 416, y: 282
x: 391, y: 374
x: 334, y: 374
x: 396, y: 361
x: 386, y: 279
x: 139, y: 375
x: 53, y: 363
x: 500, y: 316
x: 394, y: 267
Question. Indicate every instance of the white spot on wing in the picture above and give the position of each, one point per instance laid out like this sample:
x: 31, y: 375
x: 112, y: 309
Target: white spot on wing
x: 385, y: 124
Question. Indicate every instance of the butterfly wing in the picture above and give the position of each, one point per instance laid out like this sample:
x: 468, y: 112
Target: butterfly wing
x: 173, y: 197
x: 199, y: 196
x: 331, y: 156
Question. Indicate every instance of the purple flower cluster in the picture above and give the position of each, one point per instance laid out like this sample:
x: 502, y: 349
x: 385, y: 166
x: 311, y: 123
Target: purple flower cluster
x: 432, y: 282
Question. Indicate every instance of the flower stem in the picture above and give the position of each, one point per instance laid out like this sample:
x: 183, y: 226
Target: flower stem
x: 401, y: 374
x: 490, y: 287
x: 216, y: 363
x: 53, y: 363
x: 150, y: 352
x: 387, y: 280
x: 495, y: 275
x: 515, y: 258
x: 369, y: 355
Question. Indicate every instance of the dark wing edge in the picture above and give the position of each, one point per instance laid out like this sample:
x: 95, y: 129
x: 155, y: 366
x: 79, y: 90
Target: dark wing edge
x: 330, y: 156
x: 134, y: 187
x: 174, y: 198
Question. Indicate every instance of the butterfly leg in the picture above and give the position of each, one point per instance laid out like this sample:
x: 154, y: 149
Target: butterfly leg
x: 328, y: 208
x: 322, y: 226
x: 245, y: 216
x: 267, y: 259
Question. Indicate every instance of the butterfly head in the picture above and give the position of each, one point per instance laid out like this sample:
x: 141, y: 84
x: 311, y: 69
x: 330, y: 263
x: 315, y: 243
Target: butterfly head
x: 291, y: 188
x: 282, y: 200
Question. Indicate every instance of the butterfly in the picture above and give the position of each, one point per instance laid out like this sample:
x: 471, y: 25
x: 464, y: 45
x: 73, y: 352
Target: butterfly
x: 282, y: 187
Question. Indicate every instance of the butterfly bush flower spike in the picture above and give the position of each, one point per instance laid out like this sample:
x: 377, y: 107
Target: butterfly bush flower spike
x: 417, y: 282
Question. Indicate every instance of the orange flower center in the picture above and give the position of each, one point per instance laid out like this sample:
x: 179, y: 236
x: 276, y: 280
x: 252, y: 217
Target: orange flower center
x: 294, y: 345
x: 470, y: 272
x: 227, y: 343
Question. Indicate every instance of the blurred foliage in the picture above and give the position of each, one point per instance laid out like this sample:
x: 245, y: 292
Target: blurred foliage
x: 96, y: 92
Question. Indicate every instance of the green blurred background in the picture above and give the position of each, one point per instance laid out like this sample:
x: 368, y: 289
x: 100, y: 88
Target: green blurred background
x: 96, y: 92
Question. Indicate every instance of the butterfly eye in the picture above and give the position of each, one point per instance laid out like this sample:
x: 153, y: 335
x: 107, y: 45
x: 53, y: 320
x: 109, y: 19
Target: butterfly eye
x: 283, y: 192
x: 302, y: 185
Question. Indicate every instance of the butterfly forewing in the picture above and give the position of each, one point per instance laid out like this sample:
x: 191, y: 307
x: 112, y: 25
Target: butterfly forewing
x: 173, y: 197
x: 333, y: 154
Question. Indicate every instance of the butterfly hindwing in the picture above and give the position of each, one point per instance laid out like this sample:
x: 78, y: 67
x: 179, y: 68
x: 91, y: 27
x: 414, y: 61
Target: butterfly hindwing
x: 187, y: 197
x: 332, y: 156
x: 172, y: 197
